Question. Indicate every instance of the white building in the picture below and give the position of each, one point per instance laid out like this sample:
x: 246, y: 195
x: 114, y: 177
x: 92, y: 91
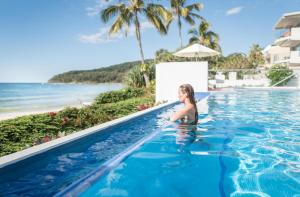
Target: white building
x: 290, y: 23
x: 276, y: 55
x: 286, y: 48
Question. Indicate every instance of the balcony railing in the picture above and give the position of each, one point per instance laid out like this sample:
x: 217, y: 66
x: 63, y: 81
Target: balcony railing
x: 295, y: 57
x: 290, y: 38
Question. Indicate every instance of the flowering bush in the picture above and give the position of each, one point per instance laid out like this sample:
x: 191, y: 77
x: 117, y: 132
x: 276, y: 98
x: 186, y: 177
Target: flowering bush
x: 23, y: 132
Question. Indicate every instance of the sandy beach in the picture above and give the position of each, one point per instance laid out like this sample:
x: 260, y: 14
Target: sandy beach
x: 11, y: 115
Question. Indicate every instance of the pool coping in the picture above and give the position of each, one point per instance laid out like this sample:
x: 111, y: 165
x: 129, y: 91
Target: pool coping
x: 38, y: 149
x: 271, y: 88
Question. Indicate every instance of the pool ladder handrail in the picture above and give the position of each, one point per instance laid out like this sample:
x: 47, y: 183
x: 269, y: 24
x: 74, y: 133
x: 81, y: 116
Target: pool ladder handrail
x: 294, y: 74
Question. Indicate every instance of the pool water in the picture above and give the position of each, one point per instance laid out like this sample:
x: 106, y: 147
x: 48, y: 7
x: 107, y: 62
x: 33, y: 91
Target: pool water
x: 247, y: 144
x: 50, y: 172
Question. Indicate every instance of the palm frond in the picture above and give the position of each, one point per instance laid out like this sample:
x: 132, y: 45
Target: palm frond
x: 160, y: 11
x: 189, y: 20
x: 194, y: 15
x: 159, y: 17
x: 174, y: 3
x: 184, y: 12
x: 111, y: 12
x: 196, y: 6
x: 157, y: 22
x: 193, y: 40
x: 193, y: 32
x: 213, y: 35
x: 117, y: 25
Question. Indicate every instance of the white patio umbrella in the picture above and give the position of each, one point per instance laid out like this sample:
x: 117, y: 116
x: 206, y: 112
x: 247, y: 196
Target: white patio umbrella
x: 196, y: 50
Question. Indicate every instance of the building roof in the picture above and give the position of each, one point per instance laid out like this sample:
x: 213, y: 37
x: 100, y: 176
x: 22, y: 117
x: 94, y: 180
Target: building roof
x: 288, y: 20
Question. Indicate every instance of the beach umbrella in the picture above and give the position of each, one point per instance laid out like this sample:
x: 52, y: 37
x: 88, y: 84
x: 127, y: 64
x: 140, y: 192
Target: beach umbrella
x: 196, y: 50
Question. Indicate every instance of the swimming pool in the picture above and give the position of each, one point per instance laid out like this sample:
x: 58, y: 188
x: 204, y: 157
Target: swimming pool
x: 247, y: 144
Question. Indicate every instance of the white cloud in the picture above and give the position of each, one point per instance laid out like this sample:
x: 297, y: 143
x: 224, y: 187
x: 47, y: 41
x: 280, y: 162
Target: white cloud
x: 102, y: 36
x: 234, y: 10
x: 99, y: 5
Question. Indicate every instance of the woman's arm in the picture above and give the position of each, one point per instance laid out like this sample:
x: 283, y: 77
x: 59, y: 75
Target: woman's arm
x: 179, y: 114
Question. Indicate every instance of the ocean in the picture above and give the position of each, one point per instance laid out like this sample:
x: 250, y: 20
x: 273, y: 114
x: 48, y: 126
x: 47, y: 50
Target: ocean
x: 28, y: 97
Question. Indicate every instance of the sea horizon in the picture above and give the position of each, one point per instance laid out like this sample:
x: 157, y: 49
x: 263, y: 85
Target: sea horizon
x: 28, y: 97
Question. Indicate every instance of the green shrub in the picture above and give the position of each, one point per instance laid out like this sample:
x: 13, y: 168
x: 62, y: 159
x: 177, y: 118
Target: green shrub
x: 123, y: 108
x: 279, y: 72
x: 118, y: 95
x: 135, y: 76
x: 23, y: 132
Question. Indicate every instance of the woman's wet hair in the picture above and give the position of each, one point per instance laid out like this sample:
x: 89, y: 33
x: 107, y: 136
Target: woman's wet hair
x: 189, y: 90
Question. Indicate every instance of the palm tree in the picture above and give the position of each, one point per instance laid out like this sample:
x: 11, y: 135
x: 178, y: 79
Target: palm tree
x: 256, y: 57
x: 180, y: 10
x: 204, y: 36
x: 128, y: 13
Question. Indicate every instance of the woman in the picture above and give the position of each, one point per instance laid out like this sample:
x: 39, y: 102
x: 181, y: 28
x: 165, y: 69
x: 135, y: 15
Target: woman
x: 189, y: 114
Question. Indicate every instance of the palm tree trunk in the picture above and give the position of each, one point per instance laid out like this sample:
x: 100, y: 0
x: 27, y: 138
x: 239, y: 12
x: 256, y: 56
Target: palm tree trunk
x: 179, y: 29
x: 139, y: 40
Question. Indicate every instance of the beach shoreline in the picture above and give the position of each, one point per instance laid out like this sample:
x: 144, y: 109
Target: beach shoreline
x: 12, y: 115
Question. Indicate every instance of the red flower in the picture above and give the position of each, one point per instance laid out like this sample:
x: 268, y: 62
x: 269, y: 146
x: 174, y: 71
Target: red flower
x: 65, y: 120
x: 46, y: 138
x: 143, y: 107
x: 52, y: 114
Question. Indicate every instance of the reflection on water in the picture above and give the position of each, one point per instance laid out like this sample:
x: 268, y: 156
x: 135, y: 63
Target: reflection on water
x: 185, y: 135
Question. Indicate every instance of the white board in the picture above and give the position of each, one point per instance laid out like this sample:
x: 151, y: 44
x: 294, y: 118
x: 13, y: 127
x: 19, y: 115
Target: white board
x: 170, y: 75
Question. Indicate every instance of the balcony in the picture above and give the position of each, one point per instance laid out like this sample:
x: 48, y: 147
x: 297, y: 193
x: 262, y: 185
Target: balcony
x: 289, y: 39
x: 295, y: 58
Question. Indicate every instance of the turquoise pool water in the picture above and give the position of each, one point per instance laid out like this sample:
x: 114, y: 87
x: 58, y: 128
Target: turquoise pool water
x: 247, y: 144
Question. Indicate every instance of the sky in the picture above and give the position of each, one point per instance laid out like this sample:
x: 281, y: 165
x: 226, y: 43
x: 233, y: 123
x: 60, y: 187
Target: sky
x: 41, y: 38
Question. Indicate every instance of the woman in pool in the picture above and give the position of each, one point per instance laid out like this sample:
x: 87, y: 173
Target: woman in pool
x: 189, y: 114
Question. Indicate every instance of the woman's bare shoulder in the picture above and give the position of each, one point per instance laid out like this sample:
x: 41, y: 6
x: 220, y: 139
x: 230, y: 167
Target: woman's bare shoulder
x: 189, y: 107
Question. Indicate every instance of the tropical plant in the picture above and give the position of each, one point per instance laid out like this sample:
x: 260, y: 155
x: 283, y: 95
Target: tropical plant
x: 129, y: 12
x: 181, y: 11
x: 204, y: 36
x: 135, y: 75
x: 279, y: 72
x: 163, y: 55
x: 118, y: 95
x: 256, y: 57
x: 233, y: 61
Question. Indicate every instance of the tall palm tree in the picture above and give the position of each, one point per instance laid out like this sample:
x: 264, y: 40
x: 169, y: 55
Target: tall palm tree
x: 128, y: 12
x: 204, y: 36
x: 181, y: 11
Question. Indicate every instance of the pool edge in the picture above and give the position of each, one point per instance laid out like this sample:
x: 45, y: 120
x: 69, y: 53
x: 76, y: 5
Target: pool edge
x: 38, y: 149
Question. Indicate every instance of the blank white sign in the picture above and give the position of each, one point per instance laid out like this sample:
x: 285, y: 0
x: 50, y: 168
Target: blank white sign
x: 170, y: 75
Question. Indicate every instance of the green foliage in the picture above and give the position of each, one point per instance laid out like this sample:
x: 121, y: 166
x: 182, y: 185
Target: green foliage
x: 233, y: 61
x: 114, y: 73
x: 122, y: 108
x: 279, y: 72
x: 204, y: 36
x: 129, y: 13
x: 118, y: 95
x: 23, y: 132
x: 256, y: 57
x: 135, y: 76
x: 163, y: 55
x: 181, y: 10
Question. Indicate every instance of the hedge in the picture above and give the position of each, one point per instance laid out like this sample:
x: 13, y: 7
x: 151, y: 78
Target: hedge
x: 119, y: 95
x: 26, y: 131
